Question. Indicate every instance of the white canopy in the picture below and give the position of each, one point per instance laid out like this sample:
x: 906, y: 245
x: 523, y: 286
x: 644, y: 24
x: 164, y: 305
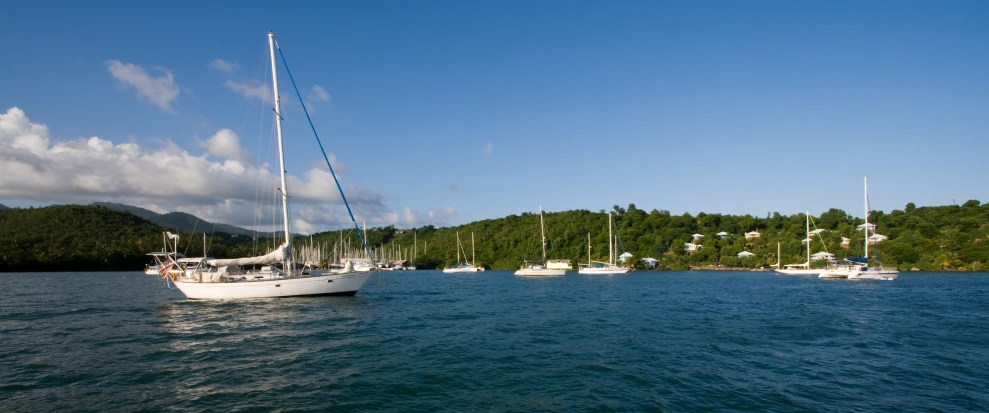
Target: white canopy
x: 744, y: 254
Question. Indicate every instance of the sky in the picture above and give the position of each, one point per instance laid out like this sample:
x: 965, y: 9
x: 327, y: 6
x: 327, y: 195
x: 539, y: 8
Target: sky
x: 448, y: 112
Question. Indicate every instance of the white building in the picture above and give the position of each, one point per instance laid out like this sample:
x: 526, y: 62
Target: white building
x: 753, y: 234
x: 691, y: 247
x: 722, y: 234
x: 817, y: 231
x: 877, y: 238
x: 822, y: 256
x: 650, y: 262
x: 697, y: 237
x: 872, y: 227
x: 845, y: 242
x: 745, y: 254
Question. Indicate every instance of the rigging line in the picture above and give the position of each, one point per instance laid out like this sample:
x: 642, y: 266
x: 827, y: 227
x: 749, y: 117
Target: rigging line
x: 259, y: 204
x: 323, y: 151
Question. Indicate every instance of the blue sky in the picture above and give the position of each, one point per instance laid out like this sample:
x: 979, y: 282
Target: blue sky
x: 450, y: 112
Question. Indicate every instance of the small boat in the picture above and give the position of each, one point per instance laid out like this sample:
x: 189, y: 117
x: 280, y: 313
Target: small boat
x: 800, y: 269
x: 458, y: 267
x: 859, y: 268
x: 538, y: 268
x: 610, y: 267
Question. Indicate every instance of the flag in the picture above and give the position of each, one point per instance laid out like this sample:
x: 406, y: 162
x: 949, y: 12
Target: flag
x: 165, y: 267
x: 171, y: 235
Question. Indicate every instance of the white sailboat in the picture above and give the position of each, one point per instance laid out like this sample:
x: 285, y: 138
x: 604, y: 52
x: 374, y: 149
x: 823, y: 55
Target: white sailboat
x: 537, y: 269
x: 458, y: 267
x: 610, y: 267
x: 859, y: 268
x: 800, y: 269
x: 225, y: 278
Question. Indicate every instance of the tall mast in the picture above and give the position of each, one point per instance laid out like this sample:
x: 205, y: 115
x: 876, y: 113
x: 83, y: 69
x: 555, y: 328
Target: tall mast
x: 611, y: 243
x: 473, y: 258
x: 588, y: 250
x: 777, y: 255
x: 808, y: 239
x: 866, y: 228
x: 415, y: 245
x: 458, y: 247
x: 542, y: 230
x: 281, y: 152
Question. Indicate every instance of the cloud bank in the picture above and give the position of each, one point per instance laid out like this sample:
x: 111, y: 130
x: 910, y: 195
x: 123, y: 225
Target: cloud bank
x: 221, y: 185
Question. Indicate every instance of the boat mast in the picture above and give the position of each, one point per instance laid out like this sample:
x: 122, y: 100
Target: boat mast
x: 542, y: 230
x: 866, y: 228
x: 808, y: 240
x: 458, y: 248
x: 611, y: 246
x: 473, y: 257
x: 588, y: 250
x: 281, y: 152
x: 777, y: 255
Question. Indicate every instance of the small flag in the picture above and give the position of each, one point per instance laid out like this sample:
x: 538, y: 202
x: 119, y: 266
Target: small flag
x: 165, y: 267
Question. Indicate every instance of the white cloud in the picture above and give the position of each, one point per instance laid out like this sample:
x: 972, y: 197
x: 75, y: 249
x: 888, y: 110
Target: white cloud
x: 35, y: 167
x: 160, y: 91
x: 223, y: 66
x: 250, y: 89
x: 318, y: 94
x: 488, y: 149
x: 226, y: 144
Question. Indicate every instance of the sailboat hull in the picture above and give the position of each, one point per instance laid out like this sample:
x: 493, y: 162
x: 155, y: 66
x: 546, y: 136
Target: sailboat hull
x: 331, y: 284
x: 460, y: 270
x: 592, y: 270
x: 799, y: 271
x: 540, y: 272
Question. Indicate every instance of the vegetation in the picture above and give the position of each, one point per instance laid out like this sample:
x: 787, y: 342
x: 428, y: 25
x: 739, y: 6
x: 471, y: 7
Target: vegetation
x: 72, y: 237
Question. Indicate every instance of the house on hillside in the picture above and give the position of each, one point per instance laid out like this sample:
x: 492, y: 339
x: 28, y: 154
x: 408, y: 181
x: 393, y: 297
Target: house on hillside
x: 845, y: 242
x: 753, y: 234
x: 805, y: 240
x: 691, y: 247
x: 877, y: 238
x: 872, y: 227
x: 649, y: 262
x: 697, y: 237
x: 817, y: 231
x: 745, y: 254
x: 722, y: 234
x: 822, y: 256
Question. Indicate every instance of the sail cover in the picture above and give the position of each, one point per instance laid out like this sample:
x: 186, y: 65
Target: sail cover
x: 278, y: 255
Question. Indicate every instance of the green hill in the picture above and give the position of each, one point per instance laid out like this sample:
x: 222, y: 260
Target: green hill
x: 928, y: 238
x: 74, y: 237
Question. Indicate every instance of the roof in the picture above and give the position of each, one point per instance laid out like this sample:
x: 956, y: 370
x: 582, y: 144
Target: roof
x: 698, y: 235
x: 745, y: 254
x: 722, y: 233
x: 818, y: 231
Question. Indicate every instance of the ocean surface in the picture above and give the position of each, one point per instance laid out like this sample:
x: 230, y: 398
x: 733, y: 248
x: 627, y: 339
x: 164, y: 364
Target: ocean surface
x: 428, y: 341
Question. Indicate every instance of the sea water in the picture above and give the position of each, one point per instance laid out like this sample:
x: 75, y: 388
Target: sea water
x: 490, y: 341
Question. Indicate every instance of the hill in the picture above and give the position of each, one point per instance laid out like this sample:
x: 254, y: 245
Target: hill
x: 179, y: 221
x: 3, y: 207
x: 74, y: 237
x: 929, y: 238
x: 92, y: 238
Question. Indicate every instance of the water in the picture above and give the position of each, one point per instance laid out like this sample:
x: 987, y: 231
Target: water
x: 427, y: 341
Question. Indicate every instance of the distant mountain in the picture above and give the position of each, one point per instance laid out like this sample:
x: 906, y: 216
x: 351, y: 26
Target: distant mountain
x: 3, y: 207
x: 180, y: 221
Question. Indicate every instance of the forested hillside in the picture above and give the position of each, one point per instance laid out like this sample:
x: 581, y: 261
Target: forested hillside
x: 928, y: 238
x: 72, y: 237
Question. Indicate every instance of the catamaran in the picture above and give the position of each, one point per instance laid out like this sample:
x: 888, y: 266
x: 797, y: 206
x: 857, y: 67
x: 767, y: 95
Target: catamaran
x: 212, y: 278
x: 538, y: 268
x: 859, y: 268
x: 458, y: 267
x: 801, y: 269
x: 597, y: 267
